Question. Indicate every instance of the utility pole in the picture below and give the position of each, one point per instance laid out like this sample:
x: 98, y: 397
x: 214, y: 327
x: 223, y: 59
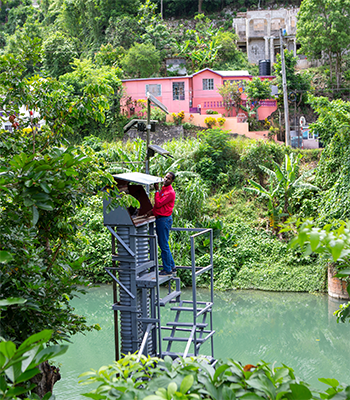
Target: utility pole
x: 285, y: 94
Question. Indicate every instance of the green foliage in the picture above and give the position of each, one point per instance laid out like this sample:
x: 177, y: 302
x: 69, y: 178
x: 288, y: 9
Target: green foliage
x: 231, y: 93
x: 109, y: 56
x: 283, y: 181
x: 332, y: 173
x: 59, y: 51
x: 104, y: 85
x: 26, y: 46
x: 297, y: 82
x: 19, y: 365
x: 260, y: 152
x: 228, y: 50
x: 332, y: 240
x: 93, y: 242
x: 151, y: 378
x: 123, y: 31
x: 215, y: 156
x: 323, y: 26
x: 42, y: 183
x: 256, y: 90
x: 18, y: 15
x: 156, y: 32
x: 141, y: 61
x: 199, y: 45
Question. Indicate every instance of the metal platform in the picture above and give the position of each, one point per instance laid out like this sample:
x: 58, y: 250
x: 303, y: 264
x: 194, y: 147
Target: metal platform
x: 136, y: 284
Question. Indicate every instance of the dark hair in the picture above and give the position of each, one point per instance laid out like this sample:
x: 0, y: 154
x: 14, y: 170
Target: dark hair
x: 172, y: 175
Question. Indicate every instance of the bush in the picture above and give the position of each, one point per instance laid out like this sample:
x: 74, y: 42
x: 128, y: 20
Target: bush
x: 210, y: 121
x: 195, y: 378
x: 221, y: 121
x: 211, y: 112
x: 215, y: 156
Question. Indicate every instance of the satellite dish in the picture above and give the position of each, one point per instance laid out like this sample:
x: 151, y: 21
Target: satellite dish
x: 302, y: 121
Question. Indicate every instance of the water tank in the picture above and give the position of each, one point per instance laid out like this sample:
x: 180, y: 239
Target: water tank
x: 264, y: 67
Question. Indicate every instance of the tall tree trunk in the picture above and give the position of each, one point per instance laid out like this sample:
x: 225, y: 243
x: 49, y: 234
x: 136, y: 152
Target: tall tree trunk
x: 330, y: 67
x: 338, y: 69
x: 200, y: 2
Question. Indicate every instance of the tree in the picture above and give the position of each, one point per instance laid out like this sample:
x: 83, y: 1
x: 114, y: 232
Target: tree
x: 141, y: 61
x: 43, y: 179
x: 26, y: 43
x: 298, y: 82
x: 228, y: 51
x: 231, y: 93
x: 155, y: 31
x: 124, y: 31
x: 323, y: 27
x: 257, y: 90
x: 199, y: 45
x: 109, y: 56
x: 106, y: 80
x: 59, y: 51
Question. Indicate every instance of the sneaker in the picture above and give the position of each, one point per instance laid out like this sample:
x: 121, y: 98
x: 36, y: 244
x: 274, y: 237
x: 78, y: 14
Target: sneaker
x: 165, y: 273
x: 173, y: 270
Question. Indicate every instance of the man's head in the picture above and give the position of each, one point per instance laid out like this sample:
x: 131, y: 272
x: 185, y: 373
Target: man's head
x: 169, y: 178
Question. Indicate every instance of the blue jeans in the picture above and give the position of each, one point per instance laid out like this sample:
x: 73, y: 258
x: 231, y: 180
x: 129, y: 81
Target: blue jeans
x: 163, y: 225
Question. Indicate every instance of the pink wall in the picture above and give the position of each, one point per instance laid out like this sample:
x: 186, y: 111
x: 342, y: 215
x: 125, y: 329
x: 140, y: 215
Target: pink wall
x: 208, y: 99
x: 211, y: 99
x: 137, y: 90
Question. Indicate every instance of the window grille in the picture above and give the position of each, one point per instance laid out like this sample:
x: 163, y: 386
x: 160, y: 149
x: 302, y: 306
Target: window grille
x: 154, y: 89
x: 178, y: 90
x: 208, y: 84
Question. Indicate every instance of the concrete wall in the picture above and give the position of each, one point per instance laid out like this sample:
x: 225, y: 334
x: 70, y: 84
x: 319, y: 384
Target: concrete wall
x: 258, y: 31
x: 231, y: 124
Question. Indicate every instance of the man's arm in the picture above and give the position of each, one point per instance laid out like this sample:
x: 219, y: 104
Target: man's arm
x: 160, y: 201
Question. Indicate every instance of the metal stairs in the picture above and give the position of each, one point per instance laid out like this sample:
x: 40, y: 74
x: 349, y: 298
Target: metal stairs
x: 144, y: 302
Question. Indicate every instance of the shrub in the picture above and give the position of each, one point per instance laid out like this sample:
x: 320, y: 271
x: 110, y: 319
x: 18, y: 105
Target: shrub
x: 210, y: 121
x: 177, y: 118
x: 221, y: 121
x: 211, y: 112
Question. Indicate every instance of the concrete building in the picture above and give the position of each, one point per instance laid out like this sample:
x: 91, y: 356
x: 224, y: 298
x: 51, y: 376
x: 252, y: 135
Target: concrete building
x: 258, y: 33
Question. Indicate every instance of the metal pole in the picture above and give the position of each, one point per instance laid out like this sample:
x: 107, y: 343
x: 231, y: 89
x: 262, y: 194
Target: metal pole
x: 285, y: 94
x: 194, y: 295
x: 148, y: 133
x: 115, y: 299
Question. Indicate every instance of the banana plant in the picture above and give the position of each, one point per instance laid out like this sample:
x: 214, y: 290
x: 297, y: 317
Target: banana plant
x: 282, y: 182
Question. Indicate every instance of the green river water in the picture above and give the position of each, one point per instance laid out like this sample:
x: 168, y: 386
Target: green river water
x: 297, y: 329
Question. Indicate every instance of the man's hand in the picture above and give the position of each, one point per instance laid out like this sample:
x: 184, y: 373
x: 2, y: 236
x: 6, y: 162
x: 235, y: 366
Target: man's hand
x: 156, y: 186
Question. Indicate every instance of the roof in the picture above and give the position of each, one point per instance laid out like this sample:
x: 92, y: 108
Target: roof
x: 224, y: 73
x: 138, y: 177
x: 221, y: 73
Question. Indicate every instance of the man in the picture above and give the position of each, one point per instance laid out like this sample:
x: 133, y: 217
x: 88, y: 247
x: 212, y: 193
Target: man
x: 164, y: 201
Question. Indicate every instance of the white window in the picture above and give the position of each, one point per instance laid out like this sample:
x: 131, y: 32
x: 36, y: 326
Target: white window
x: 179, y: 91
x: 208, y: 84
x: 154, y: 89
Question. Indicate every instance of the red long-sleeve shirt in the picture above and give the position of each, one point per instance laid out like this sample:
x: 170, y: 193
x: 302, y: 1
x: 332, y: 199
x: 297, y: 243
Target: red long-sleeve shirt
x: 164, y: 201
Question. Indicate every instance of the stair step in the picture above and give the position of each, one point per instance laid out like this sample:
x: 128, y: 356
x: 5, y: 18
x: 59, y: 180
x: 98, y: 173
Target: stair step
x: 189, y: 324
x: 149, y: 280
x: 181, y: 339
x: 169, y: 297
x: 178, y: 308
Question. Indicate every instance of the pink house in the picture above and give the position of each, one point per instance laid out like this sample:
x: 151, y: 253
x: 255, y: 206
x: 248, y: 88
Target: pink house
x: 195, y: 93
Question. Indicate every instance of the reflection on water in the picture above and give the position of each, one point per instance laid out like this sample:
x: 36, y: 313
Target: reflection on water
x: 297, y: 329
